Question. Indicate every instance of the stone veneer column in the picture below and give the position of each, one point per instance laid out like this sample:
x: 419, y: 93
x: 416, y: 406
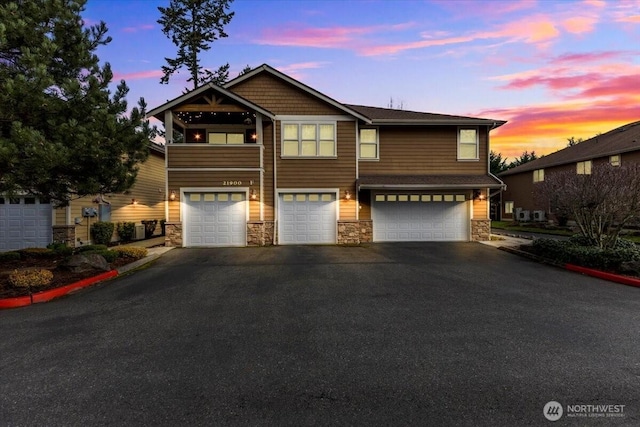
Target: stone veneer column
x: 348, y: 232
x: 366, y: 231
x: 480, y: 230
x: 173, y: 234
x: 268, y: 233
x: 65, y: 234
x: 255, y: 233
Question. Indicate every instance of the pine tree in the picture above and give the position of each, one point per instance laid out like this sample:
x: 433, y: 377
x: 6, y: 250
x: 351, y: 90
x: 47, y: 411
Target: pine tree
x: 62, y: 134
x: 192, y: 25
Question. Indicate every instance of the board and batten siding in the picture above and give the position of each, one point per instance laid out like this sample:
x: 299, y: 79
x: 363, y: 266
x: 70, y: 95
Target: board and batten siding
x: 213, y: 179
x: 280, y: 97
x: 320, y: 173
x: 213, y: 156
x: 148, y: 191
x: 423, y: 151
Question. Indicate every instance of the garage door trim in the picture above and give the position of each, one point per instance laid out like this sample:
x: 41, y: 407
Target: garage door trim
x: 333, y: 191
x: 184, y: 207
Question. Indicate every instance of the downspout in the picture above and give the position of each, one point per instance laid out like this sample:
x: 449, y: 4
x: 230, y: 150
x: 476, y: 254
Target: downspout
x: 275, y: 186
x: 503, y: 186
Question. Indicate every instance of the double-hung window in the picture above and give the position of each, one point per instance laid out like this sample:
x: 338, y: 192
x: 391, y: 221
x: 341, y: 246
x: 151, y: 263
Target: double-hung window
x: 308, y: 139
x: 583, y: 168
x: 508, y: 207
x: 467, y: 144
x: 614, y: 160
x: 538, y: 175
x: 369, y: 144
x: 222, y: 138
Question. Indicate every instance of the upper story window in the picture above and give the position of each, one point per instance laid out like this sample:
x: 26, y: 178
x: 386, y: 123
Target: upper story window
x: 583, y: 168
x: 538, y: 175
x: 220, y: 138
x: 308, y: 139
x: 614, y: 160
x: 467, y: 144
x: 369, y: 144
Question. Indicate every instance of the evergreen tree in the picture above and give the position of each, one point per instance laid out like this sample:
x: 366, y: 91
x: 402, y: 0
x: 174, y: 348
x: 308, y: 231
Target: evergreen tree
x: 497, y: 164
x: 62, y: 134
x: 192, y: 25
x: 525, y: 157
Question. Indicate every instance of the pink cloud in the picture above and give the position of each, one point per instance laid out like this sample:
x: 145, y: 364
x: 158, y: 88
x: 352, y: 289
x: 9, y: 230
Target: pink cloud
x: 580, y: 24
x: 581, y: 58
x: 139, y: 75
x: 634, y: 19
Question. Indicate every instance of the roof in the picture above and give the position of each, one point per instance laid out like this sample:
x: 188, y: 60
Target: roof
x: 423, y: 182
x: 620, y: 140
x: 394, y: 116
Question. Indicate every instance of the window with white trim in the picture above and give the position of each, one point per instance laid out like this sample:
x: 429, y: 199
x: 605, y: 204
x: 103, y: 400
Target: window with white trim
x: 368, y: 144
x: 467, y: 144
x: 221, y: 138
x: 508, y: 207
x: 308, y: 139
x: 583, y: 168
x: 538, y: 175
x: 614, y: 160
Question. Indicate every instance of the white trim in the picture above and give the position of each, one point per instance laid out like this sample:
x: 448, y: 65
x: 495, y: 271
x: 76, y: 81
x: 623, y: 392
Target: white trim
x: 183, y: 202
x: 301, y: 118
x: 335, y: 191
x: 317, y: 124
x: 201, y: 144
x: 275, y: 183
x: 357, y: 195
x: 260, y: 141
x: 215, y: 169
x: 68, y: 215
x: 166, y: 186
x: 461, y: 128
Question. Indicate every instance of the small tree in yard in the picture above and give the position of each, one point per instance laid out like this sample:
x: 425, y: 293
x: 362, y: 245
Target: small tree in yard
x: 601, y: 203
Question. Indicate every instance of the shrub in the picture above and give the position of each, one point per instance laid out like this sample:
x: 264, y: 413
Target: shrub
x: 108, y: 255
x: 36, y: 253
x: 149, y: 227
x: 130, y: 252
x: 91, y: 248
x: 60, y: 248
x: 9, y: 256
x: 30, y: 278
x: 550, y: 249
x: 126, y: 231
x: 101, y: 232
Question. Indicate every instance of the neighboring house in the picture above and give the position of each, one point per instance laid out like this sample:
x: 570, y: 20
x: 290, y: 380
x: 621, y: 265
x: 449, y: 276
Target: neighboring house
x: 26, y: 221
x: 616, y: 147
x: 267, y: 160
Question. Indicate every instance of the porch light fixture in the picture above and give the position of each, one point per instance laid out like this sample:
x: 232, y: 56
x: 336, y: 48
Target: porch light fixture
x: 134, y: 202
x: 347, y: 195
x: 197, y: 136
x: 172, y: 195
x: 253, y: 195
x: 477, y: 195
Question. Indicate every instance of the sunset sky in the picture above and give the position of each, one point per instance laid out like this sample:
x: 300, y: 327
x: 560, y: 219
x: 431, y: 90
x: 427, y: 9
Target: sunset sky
x: 553, y: 69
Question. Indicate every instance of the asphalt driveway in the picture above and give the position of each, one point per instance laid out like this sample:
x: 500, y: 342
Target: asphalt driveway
x: 386, y: 334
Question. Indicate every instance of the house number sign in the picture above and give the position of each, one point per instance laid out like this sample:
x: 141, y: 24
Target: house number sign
x: 228, y: 183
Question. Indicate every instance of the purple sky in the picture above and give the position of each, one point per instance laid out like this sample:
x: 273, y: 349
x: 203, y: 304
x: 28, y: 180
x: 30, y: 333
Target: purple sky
x: 553, y: 69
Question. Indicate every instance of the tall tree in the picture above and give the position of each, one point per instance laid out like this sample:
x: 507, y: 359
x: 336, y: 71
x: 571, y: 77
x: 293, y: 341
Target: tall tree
x: 62, y: 134
x: 525, y: 157
x: 497, y: 164
x: 192, y: 25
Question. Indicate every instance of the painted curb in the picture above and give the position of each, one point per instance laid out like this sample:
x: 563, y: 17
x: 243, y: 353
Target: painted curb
x: 625, y: 280
x: 45, y: 296
x: 15, y: 302
x: 135, y: 264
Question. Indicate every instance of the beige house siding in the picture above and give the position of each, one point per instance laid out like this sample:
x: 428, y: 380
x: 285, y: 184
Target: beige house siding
x: 280, y: 97
x: 423, y: 151
x: 148, y: 191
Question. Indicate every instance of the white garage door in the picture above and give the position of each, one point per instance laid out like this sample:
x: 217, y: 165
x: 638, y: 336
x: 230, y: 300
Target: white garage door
x: 215, y: 219
x: 420, y: 218
x: 24, y: 223
x: 307, y: 218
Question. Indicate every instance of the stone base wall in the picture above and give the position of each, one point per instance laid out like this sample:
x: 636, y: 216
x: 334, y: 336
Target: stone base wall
x: 260, y: 233
x: 348, y: 232
x: 366, y: 231
x: 480, y: 230
x: 65, y: 234
x: 173, y: 234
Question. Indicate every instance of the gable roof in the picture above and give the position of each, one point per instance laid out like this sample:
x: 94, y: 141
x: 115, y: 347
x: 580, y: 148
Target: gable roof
x: 619, y: 140
x: 158, y: 112
x: 402, y: 117
x: 299, y: 85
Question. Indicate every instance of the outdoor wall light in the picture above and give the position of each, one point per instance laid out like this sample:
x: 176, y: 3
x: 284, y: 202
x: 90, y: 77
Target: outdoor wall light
x: 172, y: 195
x: 253, y: 195
x: 134, y: 202
x: 347, y: 195
x: 477, y: 195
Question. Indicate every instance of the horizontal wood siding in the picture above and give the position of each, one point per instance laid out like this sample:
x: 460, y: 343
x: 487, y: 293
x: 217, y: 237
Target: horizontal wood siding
x: 325, y: 173
x: 205, y: 179
x: 148, y: 191
x: 423, y: 151
x: 280, y: 97
x: 213, y: 156
x: 480, y: 210
x: 267, y: 140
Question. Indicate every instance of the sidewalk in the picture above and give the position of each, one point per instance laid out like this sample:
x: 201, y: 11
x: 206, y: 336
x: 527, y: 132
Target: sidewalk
x: 506, y: 241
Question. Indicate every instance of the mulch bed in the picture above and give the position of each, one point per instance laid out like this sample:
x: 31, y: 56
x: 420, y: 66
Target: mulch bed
x: 61, y: 277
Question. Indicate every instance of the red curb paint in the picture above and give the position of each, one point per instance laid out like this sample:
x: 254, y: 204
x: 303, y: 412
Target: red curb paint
x: 15, y: 302
x: 45, y: 296
x: 625, y: 280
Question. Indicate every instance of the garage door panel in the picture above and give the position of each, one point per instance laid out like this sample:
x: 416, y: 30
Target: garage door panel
x: 24, y: 224
x: 215, y: 219
x: 307, y: 218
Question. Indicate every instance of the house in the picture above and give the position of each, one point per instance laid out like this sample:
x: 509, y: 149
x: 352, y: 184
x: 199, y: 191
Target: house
x: 618, y: 146
x: 266, y: 159
x: 26, y: 221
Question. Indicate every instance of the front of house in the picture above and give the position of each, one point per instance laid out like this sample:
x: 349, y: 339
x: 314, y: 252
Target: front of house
x: 268, y: 160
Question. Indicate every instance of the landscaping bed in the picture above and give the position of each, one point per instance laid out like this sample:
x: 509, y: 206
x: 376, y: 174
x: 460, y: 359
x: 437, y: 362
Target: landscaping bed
x: 53, y: 260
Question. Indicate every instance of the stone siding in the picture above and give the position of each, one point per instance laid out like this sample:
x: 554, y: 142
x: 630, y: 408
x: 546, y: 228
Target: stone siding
x: 65, y: 234
x: 480, y: 230
x: 173, y: 234
x: 348, y: 233
x: 366, y: 231
x: 260, y: 233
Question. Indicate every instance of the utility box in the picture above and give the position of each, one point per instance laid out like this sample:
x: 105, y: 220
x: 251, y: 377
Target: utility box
x: 139, y: 234
x: 89, y: 212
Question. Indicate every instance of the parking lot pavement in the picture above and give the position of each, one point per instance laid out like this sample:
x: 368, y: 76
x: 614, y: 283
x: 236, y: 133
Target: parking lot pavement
x: 380, y: 334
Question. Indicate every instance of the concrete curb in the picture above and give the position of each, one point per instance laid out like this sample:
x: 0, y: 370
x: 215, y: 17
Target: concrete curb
x: 51, y: 294
x: 612, y: 277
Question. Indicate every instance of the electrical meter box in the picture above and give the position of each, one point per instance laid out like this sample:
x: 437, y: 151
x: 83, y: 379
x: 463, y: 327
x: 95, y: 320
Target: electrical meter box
x: 89, y: 212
